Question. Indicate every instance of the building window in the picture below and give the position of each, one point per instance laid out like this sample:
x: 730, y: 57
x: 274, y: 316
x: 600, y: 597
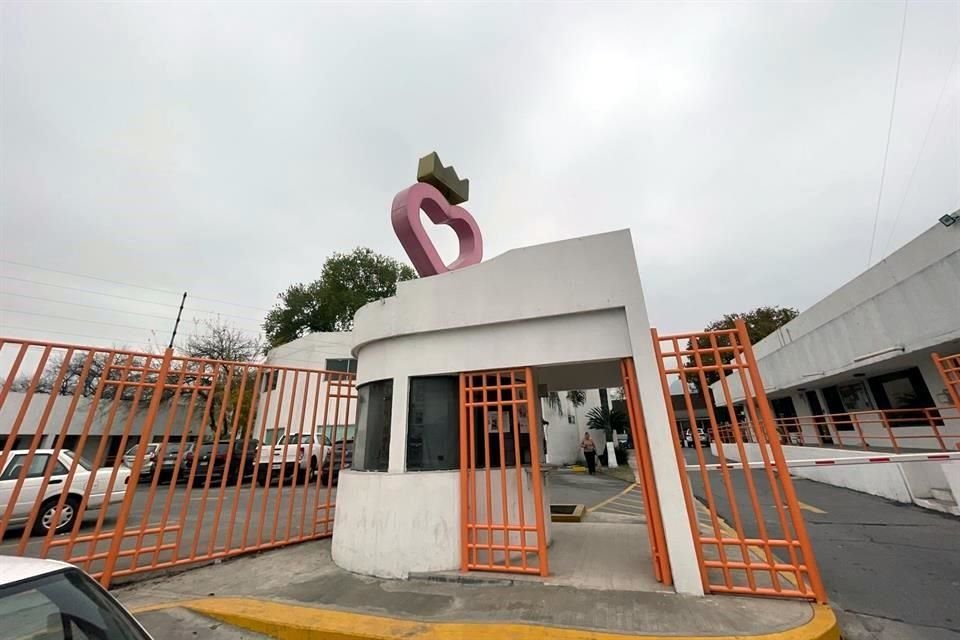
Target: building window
x: 855, y: 397
x: 269, y: 377
x: 374, y: 411
x: 904, y: 390
x: 433, y: 424
x: 346, y: 365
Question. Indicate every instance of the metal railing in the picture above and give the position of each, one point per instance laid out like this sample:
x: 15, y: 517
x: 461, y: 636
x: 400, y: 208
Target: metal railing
x: 930, y: 428
x: 190, y: 423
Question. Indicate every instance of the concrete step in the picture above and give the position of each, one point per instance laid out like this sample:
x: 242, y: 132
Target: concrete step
x: 942, y: 506
x: 943, y: 495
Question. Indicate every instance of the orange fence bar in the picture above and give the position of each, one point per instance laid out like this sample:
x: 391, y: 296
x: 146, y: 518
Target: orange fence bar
x: 651, y: 501
x: 753, y: 553
x: 91, y: 435
x: 500, y: 529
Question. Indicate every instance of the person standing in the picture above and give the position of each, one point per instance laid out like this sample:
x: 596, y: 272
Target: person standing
x: 589, y: 452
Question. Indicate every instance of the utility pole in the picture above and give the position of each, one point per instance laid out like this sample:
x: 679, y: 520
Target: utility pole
x: 176, y: 325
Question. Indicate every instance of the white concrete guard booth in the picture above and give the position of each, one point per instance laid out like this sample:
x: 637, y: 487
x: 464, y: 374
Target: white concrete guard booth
x: 399, y: 508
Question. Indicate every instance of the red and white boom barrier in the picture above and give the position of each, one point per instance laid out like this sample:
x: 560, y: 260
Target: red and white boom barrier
x: 900, y: 457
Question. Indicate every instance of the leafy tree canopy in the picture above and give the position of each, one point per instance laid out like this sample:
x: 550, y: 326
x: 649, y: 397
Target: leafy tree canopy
x: 760, y: 322
x: 347, y: 282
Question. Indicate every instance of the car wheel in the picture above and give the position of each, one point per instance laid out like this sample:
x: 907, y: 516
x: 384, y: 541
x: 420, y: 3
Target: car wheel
x: 48, y: 509
x: 262, y: 477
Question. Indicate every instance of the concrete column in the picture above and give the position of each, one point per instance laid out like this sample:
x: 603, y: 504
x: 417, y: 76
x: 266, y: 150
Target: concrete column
x: 398, y: 425
x: 660, y: 435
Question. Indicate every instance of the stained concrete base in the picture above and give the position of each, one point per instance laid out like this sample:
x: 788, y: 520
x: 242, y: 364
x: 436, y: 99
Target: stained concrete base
x: 304, y: 574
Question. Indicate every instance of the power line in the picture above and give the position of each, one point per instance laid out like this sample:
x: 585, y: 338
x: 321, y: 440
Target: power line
x: 140, y: 300
x: 128, y: 284
x: 923, y: 146
x: 87, y: 306
x: 109, y: 324
x: 886, y: 151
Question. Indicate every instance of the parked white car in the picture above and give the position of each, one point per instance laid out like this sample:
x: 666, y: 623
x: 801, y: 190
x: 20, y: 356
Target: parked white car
x: 30, y: 500
x: 293, y: 451
x: 46, y: 599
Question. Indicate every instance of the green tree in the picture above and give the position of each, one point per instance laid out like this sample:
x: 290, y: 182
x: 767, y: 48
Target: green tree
x: 577, y: 398
x: 760, y: 322
x: 609, y: 420
x: 347, y: 282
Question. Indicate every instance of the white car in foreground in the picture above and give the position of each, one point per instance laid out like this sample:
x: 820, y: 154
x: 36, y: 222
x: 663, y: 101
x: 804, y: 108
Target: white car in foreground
x: 50, y: 600
x: 29, y: 499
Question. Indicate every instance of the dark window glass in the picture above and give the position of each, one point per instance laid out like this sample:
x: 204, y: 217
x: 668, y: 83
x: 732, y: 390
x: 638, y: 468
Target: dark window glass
x: 37, y: 466
x: 904, y: 390
x: 374, y: 410
x: 347, y: 365
x: 433, y: 424
x: 270, y: 378
x: 66, y: 604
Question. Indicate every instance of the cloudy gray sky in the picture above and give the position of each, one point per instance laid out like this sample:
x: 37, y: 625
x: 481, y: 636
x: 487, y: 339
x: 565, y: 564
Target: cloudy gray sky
x: 228, y: 148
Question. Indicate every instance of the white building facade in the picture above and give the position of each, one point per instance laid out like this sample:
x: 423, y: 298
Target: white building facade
x: 856, y: 369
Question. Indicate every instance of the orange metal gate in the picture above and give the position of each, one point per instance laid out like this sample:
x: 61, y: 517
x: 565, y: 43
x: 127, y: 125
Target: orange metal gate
x: 651, y: 501
x: 765, y: 550
x: 94, y: 433
x: 949, y: 368
x: 501, y: 529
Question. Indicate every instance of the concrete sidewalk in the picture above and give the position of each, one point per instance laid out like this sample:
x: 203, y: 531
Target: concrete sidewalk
x: 298, y: 592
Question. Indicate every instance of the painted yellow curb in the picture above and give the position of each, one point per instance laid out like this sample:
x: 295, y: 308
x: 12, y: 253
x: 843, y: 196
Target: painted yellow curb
x: 292, y: 622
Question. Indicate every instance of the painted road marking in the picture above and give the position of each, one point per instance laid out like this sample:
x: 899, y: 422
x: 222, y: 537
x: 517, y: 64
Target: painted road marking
x: 810, y: 507
x: 609, y: 500
x: 757, y: 551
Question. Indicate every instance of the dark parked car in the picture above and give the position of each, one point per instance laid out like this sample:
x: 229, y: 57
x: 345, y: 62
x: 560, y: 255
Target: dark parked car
x: 164, y: 455
x: 341, y: 460
x: 204, y: 456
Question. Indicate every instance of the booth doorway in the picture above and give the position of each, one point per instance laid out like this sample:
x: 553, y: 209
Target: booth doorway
x: 505, y: 497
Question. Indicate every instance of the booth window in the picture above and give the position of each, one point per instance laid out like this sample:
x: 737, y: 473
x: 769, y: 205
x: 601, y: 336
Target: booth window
x: 374, y: 409
x: 433, y: 424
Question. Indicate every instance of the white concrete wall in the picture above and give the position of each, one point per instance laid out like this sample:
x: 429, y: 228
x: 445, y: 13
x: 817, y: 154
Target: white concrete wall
x: 505, y: 313
x: 392, y: 524
x: 413, y: 525
x: 902, y: 482
x: 563, y: 442
x: 910, y: 299
x: 563, y: 437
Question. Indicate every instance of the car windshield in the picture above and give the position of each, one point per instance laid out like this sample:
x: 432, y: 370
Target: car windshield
x: 303, y: 438
x: 151, y: 448
x: 62, y: 605
x: 83, y: 462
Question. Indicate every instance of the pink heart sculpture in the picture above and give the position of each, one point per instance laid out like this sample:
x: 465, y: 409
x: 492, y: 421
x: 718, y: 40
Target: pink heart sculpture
x: 405, y: 215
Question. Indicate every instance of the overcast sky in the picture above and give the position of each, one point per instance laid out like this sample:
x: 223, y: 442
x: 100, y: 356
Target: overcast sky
x: 227, y: 149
